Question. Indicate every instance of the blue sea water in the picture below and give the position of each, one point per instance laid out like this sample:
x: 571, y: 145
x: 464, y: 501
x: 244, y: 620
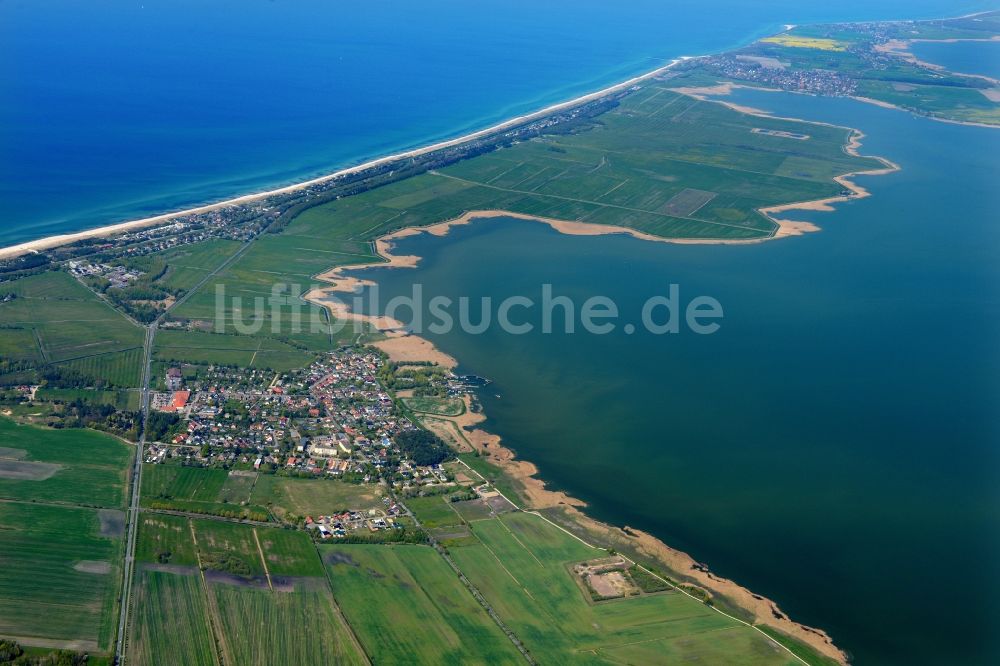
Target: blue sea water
x: 117, y: 109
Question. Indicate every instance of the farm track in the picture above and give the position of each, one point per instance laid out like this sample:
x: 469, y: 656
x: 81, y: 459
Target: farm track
x: 263, y: 560
x: 214, y: 620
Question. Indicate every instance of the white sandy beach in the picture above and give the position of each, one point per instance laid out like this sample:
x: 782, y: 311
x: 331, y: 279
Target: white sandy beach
x: 112, y: 229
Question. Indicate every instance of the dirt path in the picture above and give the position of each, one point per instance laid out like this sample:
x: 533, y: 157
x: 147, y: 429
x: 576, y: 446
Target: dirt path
x: 263, y: 560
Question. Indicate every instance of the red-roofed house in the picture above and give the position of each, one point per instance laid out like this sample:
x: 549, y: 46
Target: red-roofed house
x: 180, y: 399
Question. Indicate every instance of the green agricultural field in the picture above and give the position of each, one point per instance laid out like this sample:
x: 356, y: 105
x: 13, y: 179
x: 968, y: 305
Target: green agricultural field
x: 228, y: 547
x: 67, y: 466
x: 199, y: 490
x: 60, y: 562
x: 470, y: 510
x: 286, y: 552
x: 282, y: 614
x: 289, y: 553
x: 521, y: 565
x: 439, y: 406
x: 182, y: 483
x: 165, y: 539
x: 433, y: 511
x: 236, y: 350
x: 170, y: 618
x: 288, y: 497
x: 128, y: 400
x: 408, y: 606
x: 237, y: 487
x: 189, y: 264
x: 298, y: 627
x: 68, y: 324
x: 275, y: 259
x: 59, y: 574
x: 53, y: 285
x: 657, y: 145
x: 19, y: 344
x: 123, y: 369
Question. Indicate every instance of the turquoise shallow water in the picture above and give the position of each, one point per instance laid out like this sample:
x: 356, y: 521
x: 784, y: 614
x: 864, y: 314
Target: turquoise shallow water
x: 125, y: 108
x: 966, y: 57
x: 834, y: 446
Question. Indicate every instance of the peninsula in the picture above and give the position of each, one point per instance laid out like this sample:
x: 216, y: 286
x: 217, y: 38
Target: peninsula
x: 254, y: 471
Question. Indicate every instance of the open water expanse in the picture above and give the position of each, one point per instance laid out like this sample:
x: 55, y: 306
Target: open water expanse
x: 120, y: 109
x: 981, y: 58
x: 834, y: 445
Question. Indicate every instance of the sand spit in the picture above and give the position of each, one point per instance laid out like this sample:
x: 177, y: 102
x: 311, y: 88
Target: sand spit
x: 113, y: 229
x: 413, y: 348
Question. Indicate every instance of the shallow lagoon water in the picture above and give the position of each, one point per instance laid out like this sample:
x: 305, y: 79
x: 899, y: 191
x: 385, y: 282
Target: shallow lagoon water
x: 966, y: 57
x: 834, y: 445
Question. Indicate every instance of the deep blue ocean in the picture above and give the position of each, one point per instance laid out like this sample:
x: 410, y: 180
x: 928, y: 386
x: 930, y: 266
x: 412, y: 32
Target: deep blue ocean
x: 114, y: 109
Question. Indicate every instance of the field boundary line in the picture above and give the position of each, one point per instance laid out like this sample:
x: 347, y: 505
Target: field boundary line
x: 520, y: 543
x: 559, y: 197
x: 354, y: 237
x: 665, y: 105
x: 504, y: 567
x: 41, y: 346
x: 213, y: 611
x: 104, y: 353
x: 613, y: 189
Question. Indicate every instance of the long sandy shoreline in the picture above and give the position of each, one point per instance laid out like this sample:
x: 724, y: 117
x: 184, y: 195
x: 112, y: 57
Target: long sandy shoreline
x: 121, y: 227
x: 57, y: 240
